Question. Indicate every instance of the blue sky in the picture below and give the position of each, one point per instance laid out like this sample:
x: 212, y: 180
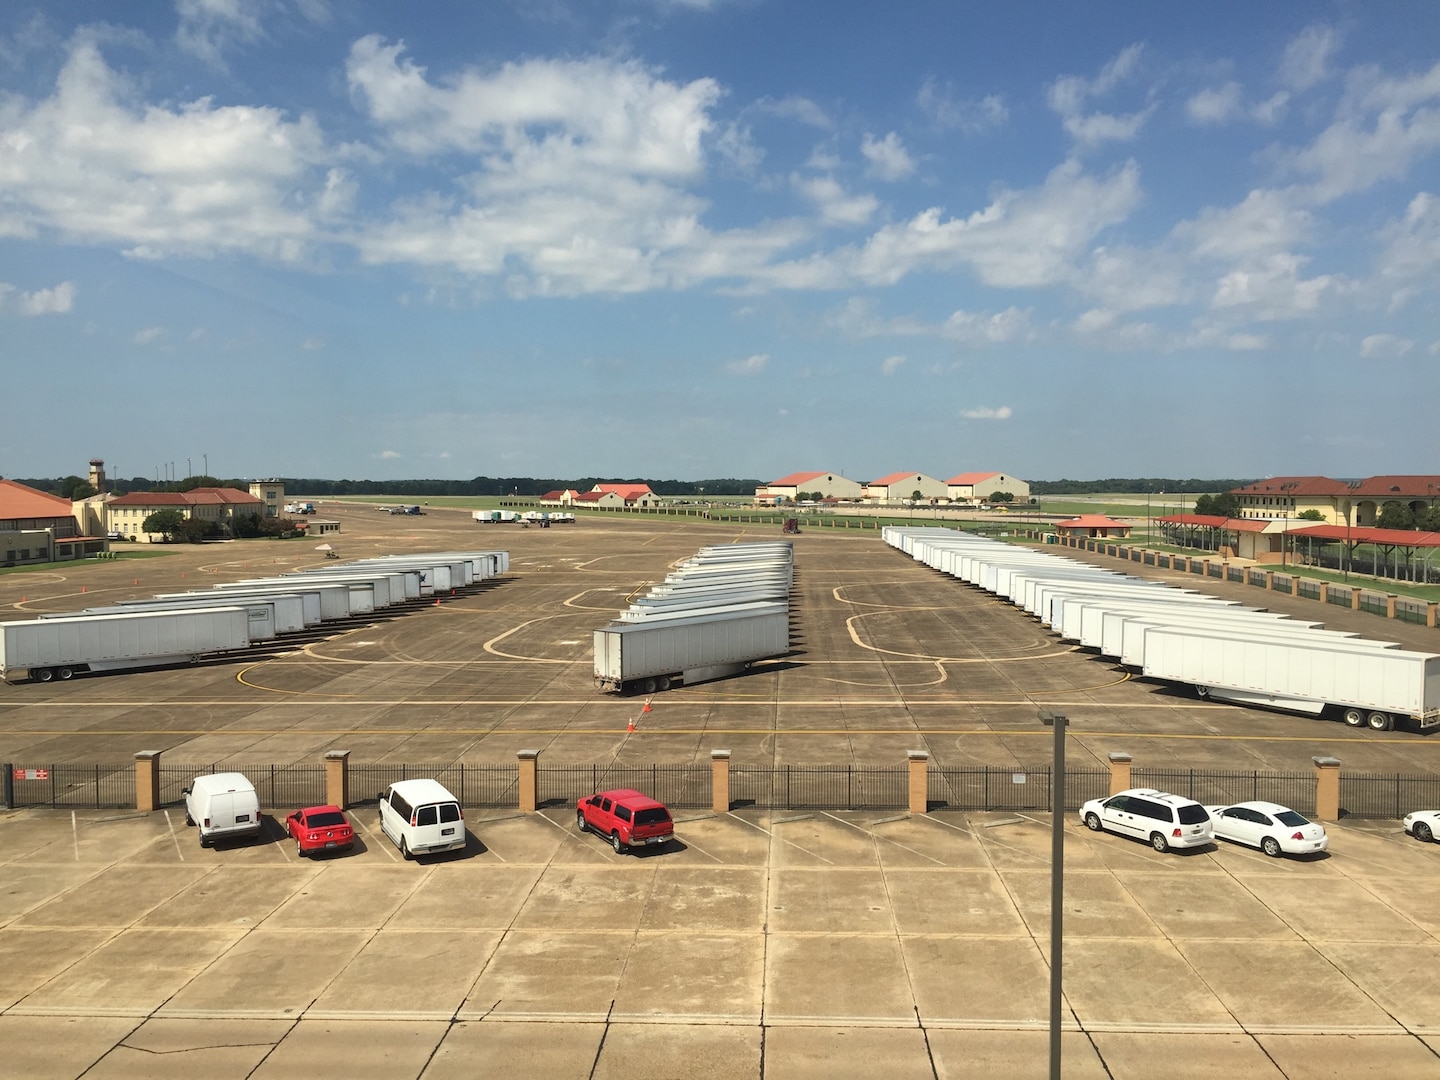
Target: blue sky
x: 724, y: 238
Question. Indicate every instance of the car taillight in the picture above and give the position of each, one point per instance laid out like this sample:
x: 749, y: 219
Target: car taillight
x: 314, y: 836
x: 207, y: 822
x: 1178, y: 832
x: 1297, y: 836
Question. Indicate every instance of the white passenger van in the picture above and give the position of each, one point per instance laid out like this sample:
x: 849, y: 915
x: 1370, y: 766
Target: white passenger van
x: 422, y: 817
x: 223, y: 806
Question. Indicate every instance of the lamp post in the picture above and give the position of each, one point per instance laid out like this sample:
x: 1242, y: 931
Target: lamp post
x: 1057, y: 884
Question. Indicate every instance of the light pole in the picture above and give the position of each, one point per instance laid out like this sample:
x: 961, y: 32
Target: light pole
x: 1057, y: 884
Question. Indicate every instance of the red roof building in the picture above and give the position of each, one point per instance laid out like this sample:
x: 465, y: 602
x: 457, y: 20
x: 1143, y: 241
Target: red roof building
x: 126, y: 514
x: 1093, y: 525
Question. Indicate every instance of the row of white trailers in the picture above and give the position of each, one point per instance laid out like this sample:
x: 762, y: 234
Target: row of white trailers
x: 714, y: 615
x: 1224, y: 649
x: 175, y: 628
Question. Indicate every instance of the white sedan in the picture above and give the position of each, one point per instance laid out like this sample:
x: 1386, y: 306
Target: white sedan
x: 1423, y: 824
x: 1274, y: 829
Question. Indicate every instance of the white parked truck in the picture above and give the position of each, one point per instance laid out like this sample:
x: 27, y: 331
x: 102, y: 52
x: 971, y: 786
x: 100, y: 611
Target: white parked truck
x: 1378, y: 687
x: 46, y: 649
x: 648, y: 656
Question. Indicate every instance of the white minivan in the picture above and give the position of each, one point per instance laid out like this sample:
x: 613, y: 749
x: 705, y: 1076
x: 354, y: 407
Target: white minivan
x: 223, y: 806
x: 422, y: 817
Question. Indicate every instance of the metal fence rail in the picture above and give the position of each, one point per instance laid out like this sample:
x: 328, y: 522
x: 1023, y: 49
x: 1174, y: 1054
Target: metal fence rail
x: 983, y: 787
x: 804, y: 787
x: 1365, y: 795
x: 674, y: 785
x: 280, y: 787
x: 472, y: 785
x: 90, y: 787
x: 1217, y: 787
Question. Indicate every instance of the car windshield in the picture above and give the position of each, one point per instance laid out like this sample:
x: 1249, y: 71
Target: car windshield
x: 330, y: 817
x: 654, y: 816
x: 1193, y: 814
x: 1291, y: 818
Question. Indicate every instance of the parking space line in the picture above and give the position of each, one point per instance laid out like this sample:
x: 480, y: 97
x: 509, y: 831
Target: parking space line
x: 771, y: 833
x: 877, y: 836
x: 75, y: 835
x: 370, y: 840
x: 170, y: 825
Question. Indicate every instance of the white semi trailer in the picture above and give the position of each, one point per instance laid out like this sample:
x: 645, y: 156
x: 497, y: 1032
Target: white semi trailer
x: 1378, y: 687
x: 46, y: 649
x: 649, y: 656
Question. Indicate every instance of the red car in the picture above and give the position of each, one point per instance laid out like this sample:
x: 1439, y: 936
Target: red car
x: 626, y: 817
x: 320, y: 828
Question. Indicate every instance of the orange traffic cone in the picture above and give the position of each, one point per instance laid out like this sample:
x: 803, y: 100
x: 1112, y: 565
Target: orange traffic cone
x: 647, y: 705
x: 82, y: 588
x: 630, y: 724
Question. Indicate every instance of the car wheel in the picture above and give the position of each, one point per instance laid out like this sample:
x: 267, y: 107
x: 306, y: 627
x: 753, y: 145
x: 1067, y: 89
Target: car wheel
x: 616, y: 844
x: 65, y: 673
x: 1353, y: 717
x: 44, y: 675
x: 580, y: 822
x: 1271, y: 847
x: 189, y: 821
x: 405, y: 849
x: 299, y: 851
x: 1422, y: 832
x: 1159, y: 843
x: 1379, y: 721
x: 1092, y: 821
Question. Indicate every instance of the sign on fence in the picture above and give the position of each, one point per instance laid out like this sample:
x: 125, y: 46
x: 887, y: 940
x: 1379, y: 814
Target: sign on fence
x: 32, y: 774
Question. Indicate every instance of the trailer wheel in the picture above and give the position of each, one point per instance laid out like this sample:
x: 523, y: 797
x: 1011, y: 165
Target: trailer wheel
x: 65, y: 672
x: 1353, y: 717
x: 44, y: 675
x: 649, y: 686
x: 1202, y: 692
x: 1380, y: 721
x: 664, y: 682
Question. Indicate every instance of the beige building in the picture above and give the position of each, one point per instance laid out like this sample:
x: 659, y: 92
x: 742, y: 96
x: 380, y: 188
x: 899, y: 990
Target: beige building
x: 978, y: 486
x: 271, y: 493
x: 788, y: 489
x: 1339, y: 502
x: 901, y: 487
x: 126, y: 514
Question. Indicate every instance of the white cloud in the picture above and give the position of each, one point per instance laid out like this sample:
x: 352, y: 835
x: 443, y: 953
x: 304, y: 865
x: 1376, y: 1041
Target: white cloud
x: 1132, y: 279
x: 888, y: 157
x: 751, y: 365
x: 973, y: 117
x: 312, y: 344
x: 1215, y: 106
x: 975, y: 328
x: 388, y: 455
x: 1272, y: 289
x: 149, y: 335
x: 56, y: 301
x: 835, y: 206
x: 1266, y: 222
x: 193, y: 180
x: 1004, y: 412
x: 1385, y: 347
x: 207, y: 27
x: 1307, y: 57
x: 1413, y: 242
x: 796, y: 108
x: 1027, y: 238
x: 1272, y: 109
x: 1385, y: 125
x: 1069, y: 95
x: 891, y: 364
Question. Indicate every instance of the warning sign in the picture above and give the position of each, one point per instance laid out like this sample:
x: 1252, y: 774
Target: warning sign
x: 32, y: 774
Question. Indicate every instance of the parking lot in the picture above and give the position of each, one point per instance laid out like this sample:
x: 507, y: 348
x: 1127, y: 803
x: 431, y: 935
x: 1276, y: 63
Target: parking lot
x: 809, y: 944
x: 775, y: 944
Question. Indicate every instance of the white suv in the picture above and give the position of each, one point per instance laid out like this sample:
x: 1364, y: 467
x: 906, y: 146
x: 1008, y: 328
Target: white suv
x: 1166, y: 821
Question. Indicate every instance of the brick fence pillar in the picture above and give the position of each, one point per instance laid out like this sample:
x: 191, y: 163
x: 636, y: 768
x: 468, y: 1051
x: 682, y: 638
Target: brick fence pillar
x: 147, y: 781
x: 720, y: 781
x: 919, y: 781
x: 337, y: 778
x: 1324, y: 592
x: 1119, y: 773
x: 1269, y: 580
x: 529, y: 780
x: 1327, y: 788
x: 1430, y: 610
x: 1355, y: 598
x: 1390, y: 605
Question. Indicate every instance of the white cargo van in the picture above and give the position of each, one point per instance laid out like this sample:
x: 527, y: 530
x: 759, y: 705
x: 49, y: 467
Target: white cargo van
x: 223, y: 805
x: 422, y: 817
